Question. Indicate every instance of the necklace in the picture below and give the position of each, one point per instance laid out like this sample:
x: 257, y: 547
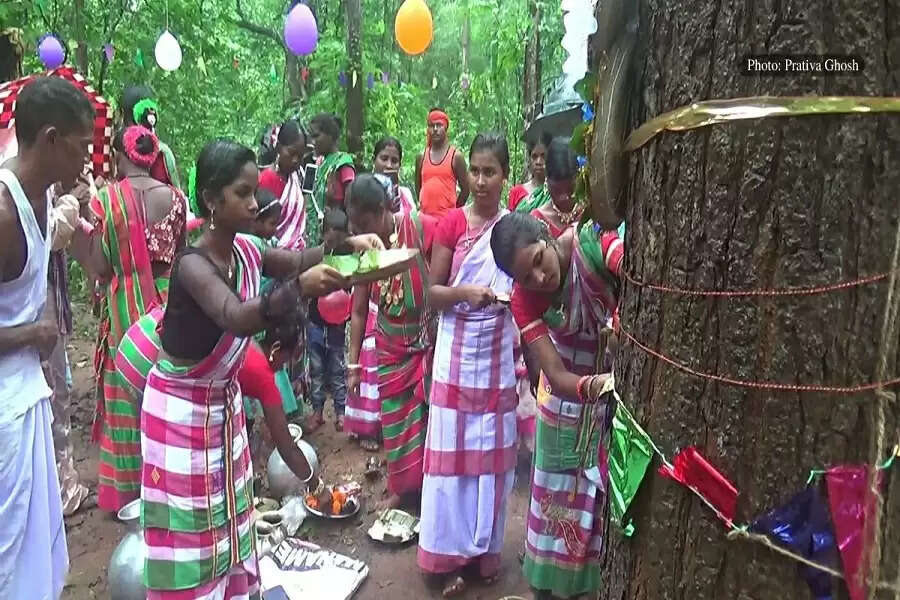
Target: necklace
x: 567, y: 218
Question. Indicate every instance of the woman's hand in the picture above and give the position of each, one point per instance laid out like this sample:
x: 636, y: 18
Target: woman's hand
x: 478, y: 296
x: 366, y: 241
x: 353, y: 380
x: 321, y: 280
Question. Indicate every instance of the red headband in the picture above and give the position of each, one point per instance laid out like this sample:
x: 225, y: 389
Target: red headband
x: 439, y: 116
x: 130, y: 139
x: 436, y: 116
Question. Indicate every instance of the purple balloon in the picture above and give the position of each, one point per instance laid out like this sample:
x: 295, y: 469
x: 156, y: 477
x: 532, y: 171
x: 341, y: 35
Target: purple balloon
x: 300, y: 32
x: 51, y: 52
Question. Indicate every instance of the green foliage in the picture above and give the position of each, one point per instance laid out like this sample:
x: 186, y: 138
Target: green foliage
x: 224, y: 86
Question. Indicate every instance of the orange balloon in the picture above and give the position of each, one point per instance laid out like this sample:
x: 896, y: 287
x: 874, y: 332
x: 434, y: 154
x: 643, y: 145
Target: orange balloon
x: 413, y: 27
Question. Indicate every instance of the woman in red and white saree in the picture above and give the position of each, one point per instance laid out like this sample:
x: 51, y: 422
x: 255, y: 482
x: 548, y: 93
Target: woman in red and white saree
x: 285, y: 179
x: 470, y: 447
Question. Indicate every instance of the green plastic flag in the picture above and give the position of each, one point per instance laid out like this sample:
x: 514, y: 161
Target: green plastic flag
x: 630, y: 453
x: 139, y: 58
x: 273, y: 74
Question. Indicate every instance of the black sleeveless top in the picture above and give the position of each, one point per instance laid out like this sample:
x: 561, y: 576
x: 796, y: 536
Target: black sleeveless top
x: 188, y: 332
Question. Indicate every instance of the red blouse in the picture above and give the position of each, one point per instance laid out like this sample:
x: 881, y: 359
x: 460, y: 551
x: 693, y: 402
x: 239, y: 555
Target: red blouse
x: 272, y: 181
x: 450, y: 228
x: 257, y: 379
x: 516, y: 194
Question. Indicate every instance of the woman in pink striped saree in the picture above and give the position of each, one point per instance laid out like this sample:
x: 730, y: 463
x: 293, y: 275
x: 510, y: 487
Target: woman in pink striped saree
x: 470, y: 446
x: 196, y: 473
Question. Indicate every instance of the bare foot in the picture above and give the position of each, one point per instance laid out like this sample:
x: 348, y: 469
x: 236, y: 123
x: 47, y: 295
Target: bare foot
x: 314, y: 421
x: 455, y: 586
x: 392, y: 501
x: 368, y: 445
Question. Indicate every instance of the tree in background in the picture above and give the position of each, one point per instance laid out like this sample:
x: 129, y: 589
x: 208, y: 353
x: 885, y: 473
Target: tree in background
x: 236, y: 76
x: 766, y: 203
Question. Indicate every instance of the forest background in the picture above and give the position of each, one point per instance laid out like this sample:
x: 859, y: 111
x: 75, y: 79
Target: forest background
x: 236, y: 76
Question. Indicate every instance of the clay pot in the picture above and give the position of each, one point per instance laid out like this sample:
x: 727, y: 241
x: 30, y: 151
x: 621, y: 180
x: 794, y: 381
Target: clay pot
x: 126, y: 567
x: 282, y: 481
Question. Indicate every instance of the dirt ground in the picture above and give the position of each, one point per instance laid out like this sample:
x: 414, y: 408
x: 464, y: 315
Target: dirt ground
x: 93, y: 535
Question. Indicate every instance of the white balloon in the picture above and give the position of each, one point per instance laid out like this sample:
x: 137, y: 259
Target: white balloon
x: 579, y: 25
x: 168, y: 52
x: 571, y: 42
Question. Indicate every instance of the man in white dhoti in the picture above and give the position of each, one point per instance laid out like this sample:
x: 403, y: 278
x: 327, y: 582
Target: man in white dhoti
x: 54, y: 127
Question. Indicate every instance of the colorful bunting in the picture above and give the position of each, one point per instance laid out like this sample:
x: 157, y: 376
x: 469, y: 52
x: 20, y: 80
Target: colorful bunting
x: 201, y: 64
x: 630, y: 453
x: 851, y: 504
x: 385, y: 77
x: 370, y: 80
x: 342, y: 79
x: 694, y: 471
x: 353, y: 85
x: 804, y: 527
x: 587, y: 112
x: 434, y: 82
x: 139, y: 58
x: 273, y: 74
x: 109, y: 52
x: 799, y: 530
x: 304, y: 74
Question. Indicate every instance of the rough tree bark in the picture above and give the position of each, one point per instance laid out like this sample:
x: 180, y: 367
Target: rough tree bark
x: 355, y: 118
x: 81, y: 52
x: 531, y: 83
x: 762, y: 204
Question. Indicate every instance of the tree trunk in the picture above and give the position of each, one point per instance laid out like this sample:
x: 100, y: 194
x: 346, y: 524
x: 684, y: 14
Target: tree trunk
x: 81, y: 53
x: 768, y: 203
x: 295, y: 84
x: 354, y: 84
x: 531, y: 83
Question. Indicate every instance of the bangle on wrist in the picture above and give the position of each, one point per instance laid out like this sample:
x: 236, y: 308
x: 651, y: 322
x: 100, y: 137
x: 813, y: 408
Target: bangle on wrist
x: 309, y: 478
x: 354, y: 367
x: 580, y: 388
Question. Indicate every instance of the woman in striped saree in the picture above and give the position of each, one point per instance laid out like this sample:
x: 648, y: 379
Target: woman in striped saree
x: 470, y: 449
x: 401, y: 341
x: 141, y: 227
x: 335, y: 171
x: 565, y: 292
x: 196, y: 464
x: 363, y: 414
x: 537, y: 156
x: 284, y: 179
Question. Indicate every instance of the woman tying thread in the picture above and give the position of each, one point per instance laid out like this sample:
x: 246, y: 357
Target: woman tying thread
x: 566, y: 290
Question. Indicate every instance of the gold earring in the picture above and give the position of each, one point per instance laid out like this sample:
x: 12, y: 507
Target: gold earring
x: 212, y: 220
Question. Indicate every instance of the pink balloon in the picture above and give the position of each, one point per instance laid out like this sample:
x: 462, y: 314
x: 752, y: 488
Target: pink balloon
x: 300, y: 32
x: 335, y: 307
